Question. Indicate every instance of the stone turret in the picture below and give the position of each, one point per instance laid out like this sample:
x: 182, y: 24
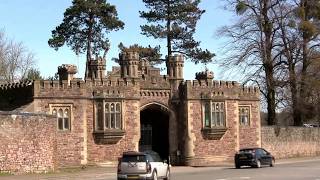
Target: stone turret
x: 129, y: 62
x: 66, y: 72
x: 175, y: 67
x: 96, y: 69
x: 204, y: 75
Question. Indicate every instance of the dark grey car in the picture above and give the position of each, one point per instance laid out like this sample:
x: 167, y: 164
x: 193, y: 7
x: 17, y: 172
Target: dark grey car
x: 254, y: 157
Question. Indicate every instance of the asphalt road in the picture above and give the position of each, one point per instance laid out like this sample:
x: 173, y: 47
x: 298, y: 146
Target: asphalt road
x: 302, y: 169
x: 295, y: 171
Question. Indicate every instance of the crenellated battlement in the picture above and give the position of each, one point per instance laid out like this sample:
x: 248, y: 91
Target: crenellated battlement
x: 99, y: 62
x: 80, y: 84
x: 249, y: 90
x: 16, y: 85
x: 129, y: 55
x: 176, y: 58
x: 211, y: 84
x: 208, y: 89
x: 120, y: 82
x: 54, y: 84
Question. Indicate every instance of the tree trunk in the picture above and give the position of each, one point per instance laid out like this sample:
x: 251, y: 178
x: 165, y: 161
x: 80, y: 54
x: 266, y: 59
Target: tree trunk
x: 292, y: 76
x: 268, y: 63
x: 169, y: 51
x: 168, y: 29
x: 295, y: 97
x: 89, y: 40
x: 303, y: 92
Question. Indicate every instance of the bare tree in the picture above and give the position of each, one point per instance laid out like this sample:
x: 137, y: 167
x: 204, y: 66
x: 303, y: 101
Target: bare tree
x: 15, y: 60
x: 254, y: 48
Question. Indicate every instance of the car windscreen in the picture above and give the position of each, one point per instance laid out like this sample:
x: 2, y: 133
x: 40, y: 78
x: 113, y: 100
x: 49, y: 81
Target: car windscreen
x: 134, y: 158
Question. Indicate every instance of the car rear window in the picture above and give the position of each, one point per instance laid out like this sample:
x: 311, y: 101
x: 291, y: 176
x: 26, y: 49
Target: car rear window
x: 134, y: 158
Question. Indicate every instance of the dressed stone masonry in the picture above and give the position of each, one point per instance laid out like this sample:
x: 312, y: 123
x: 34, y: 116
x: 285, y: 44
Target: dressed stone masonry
x: 133, y: 107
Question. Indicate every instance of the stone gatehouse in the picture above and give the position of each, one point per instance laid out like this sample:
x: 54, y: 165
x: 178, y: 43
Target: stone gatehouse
x: 195, y: 122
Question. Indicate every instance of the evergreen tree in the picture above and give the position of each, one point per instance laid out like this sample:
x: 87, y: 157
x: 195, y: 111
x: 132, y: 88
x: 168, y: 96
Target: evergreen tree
x: 84, y: 27
x: 34, y: 74
x: 152, y: 54
x: 175, y: 20
x: 308, y: 13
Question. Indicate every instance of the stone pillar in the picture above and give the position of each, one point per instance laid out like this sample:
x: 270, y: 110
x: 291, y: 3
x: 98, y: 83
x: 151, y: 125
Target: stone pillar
x: 189, y: 142
x: 173, y: 136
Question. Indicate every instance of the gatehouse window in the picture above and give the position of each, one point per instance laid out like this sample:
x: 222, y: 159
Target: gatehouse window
x: 214, y: 114
x: 244, y: 115
x: 108, y: 115
x: 63, y: 113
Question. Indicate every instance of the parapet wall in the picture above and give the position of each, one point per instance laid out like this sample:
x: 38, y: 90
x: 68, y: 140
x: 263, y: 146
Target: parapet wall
x: 290, y: 142
x: 27, y: 142
x: 223, y: 89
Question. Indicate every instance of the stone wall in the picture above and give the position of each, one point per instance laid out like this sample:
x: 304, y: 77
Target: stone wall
x: 291, y: 141
x: 208, y: 152
x: 70, y: 143
x: 249, y: 135
x: 100, y: 153
x: 27, y: 142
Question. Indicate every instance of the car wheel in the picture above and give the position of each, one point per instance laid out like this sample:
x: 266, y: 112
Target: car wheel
x: 258, y: 164
x: 154, y: 175
x: 167, y: 175
x: 272, y: 163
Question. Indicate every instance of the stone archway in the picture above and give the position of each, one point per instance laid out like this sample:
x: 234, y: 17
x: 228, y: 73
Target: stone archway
x: 155, y: 129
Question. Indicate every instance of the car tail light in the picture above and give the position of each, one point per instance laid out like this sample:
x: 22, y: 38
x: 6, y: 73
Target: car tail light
x: 148, y: 167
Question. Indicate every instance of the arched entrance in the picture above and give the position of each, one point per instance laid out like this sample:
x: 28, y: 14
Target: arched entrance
x: 154, y: 123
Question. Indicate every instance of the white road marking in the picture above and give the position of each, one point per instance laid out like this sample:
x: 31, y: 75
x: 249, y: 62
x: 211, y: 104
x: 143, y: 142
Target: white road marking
x: 245, y: 177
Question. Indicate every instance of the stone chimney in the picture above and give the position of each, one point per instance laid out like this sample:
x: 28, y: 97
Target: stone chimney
x: 66, y: 72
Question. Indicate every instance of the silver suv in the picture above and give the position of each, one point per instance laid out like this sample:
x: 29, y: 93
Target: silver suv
x: 142, y: 165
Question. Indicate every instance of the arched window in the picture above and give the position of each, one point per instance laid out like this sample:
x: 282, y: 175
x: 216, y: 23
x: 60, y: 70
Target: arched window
x: 214, y: 114
x: 63, y: 114
x: 111, y: 115
x: 244, y: 115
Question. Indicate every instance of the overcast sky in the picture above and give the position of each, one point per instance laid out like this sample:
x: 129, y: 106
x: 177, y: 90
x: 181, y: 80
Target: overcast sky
x: 31, y: 22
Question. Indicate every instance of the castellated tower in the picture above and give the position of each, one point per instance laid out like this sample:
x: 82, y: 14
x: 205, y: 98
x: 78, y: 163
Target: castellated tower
x: 96, y: 69
x: 175, y: 67
x: 129, y: 62
x: 66, y: 72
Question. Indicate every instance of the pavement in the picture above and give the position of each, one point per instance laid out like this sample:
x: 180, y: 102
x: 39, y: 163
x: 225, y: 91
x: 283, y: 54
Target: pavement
x: 95, y: 172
